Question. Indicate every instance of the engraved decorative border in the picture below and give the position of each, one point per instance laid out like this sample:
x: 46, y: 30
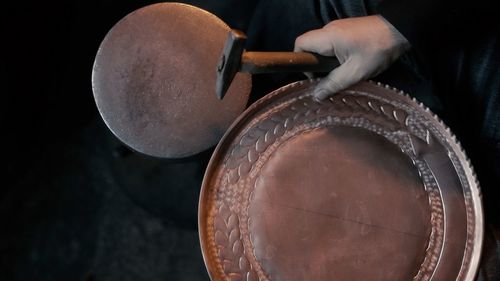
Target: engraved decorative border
x: 228, y: 247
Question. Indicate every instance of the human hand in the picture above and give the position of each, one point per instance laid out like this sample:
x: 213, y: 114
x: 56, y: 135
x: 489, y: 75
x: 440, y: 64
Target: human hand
x: 365, y: 46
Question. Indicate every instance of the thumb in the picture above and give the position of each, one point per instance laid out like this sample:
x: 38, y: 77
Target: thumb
x: 315, y: 41
x: 342, y: 77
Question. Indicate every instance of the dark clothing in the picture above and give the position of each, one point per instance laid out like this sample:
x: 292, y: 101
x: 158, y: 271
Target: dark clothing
x: 453, y: 67
x: 456, y: 50
x: 79, y: 206
x: 459, y: 44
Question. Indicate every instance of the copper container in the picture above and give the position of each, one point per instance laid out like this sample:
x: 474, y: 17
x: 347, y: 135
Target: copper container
x: 367, y: 185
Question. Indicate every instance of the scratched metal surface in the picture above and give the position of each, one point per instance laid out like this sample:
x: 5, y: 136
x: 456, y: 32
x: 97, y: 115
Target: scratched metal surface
x: 154, y: 79
x: 367, y: 185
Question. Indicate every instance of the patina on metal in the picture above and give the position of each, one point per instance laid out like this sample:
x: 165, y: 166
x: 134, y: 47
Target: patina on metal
x: 235, y: 59
x: 366, y: 185
x: 153, y: 81
x: 156, y: 70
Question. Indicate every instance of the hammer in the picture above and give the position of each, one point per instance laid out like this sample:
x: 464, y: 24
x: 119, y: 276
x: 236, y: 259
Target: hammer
x: 235, y: 59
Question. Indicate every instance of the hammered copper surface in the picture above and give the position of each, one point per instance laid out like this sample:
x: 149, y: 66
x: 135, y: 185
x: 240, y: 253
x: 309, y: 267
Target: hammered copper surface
x: 367, y: 185
x: 154, y: 81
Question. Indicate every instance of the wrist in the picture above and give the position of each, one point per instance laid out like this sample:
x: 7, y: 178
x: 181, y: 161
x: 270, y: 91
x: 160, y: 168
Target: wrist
x: 399, y: 39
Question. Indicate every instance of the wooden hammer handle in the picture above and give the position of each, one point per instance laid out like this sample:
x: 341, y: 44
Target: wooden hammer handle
x: 272, y: 62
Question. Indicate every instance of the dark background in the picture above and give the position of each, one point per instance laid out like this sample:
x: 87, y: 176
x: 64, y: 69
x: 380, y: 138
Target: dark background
x: 76, y: 204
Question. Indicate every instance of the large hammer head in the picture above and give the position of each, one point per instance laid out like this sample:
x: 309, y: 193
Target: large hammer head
x: 229, y: 62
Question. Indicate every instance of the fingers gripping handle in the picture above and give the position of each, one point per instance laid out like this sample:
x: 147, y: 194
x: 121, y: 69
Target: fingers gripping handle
x: 272, y: 62
x: 235, y: 59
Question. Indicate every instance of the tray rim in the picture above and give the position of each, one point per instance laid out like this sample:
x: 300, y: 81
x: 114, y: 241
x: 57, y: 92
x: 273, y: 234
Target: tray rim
x: 475, y: 190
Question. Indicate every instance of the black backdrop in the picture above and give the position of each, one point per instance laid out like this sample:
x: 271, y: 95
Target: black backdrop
x: 76, y: 204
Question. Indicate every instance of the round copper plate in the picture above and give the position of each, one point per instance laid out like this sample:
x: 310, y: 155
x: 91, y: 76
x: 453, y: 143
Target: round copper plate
x: 367, y: 185
x: 154, y: 79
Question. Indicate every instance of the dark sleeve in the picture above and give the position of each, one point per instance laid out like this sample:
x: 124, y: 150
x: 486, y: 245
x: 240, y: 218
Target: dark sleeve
x: 423, y: 22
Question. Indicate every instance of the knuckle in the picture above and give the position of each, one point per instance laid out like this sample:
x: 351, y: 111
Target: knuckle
x: 300, y: 41
x: 333, y: 23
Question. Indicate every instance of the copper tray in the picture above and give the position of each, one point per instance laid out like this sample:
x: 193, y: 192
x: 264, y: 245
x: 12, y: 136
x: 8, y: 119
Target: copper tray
x: 367, y: 185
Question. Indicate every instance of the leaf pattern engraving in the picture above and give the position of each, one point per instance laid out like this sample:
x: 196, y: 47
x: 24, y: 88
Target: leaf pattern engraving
x: 229, y: 246
x: 253, y: 145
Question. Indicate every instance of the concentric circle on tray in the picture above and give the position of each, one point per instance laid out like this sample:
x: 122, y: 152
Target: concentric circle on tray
x: 366, y: 185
